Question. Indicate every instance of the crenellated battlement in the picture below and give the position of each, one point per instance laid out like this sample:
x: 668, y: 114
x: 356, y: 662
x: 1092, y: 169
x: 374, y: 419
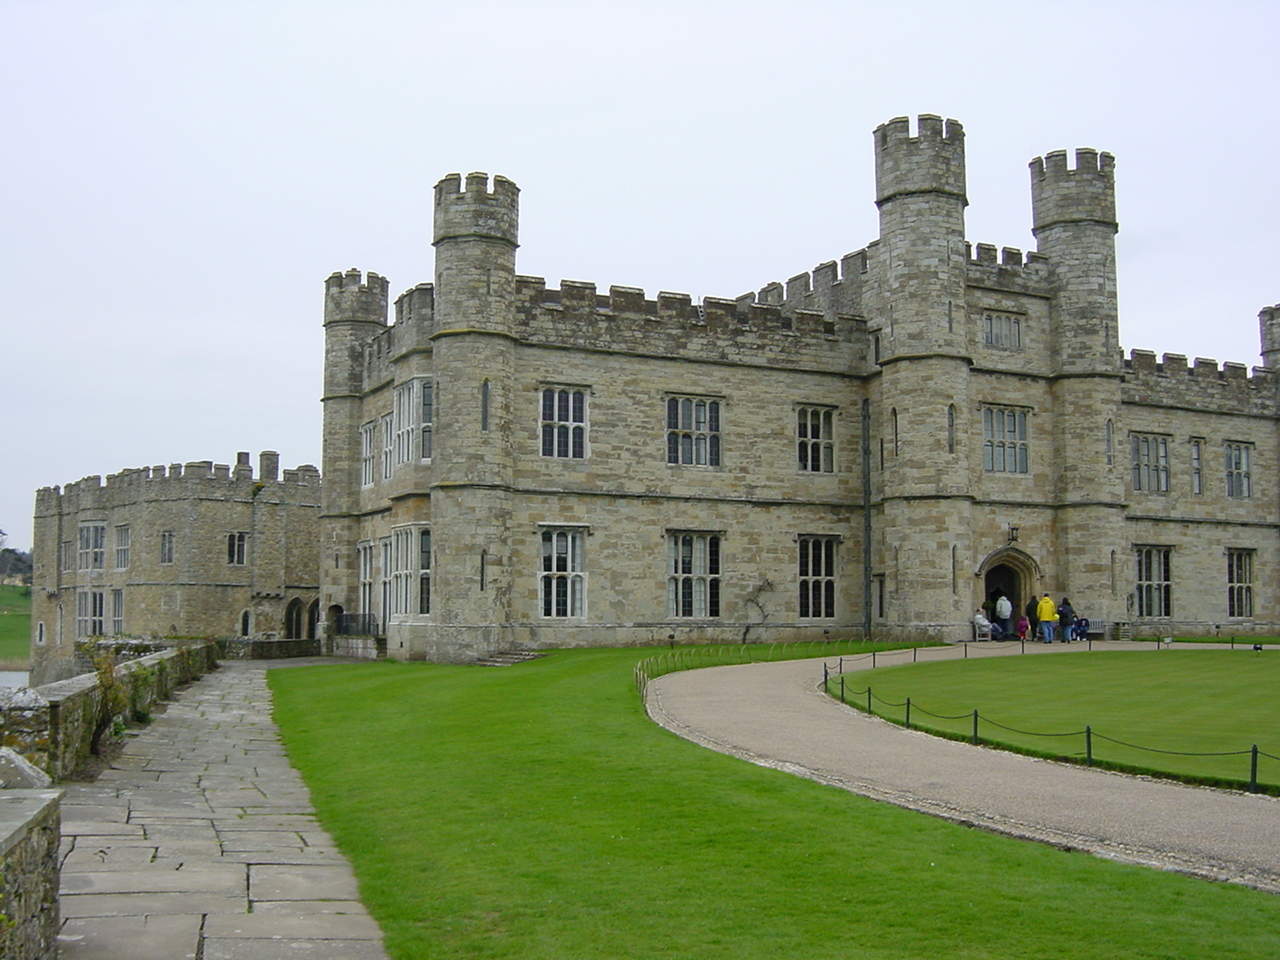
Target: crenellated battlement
x: 930, y: 162
x: 626, y: 320
x: 1006, y: 268
x: 141, y: 483
x: 1061, y: 194
x: 416, y: 305
x: 1200, y: 385
x: 350, y: 297
x: 474, y: 211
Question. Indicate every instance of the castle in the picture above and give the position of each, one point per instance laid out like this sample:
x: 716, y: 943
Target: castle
x: 871, y: 449
x: 196, y: 550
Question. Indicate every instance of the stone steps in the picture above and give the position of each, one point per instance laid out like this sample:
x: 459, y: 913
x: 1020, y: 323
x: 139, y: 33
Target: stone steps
x: 507, y: 658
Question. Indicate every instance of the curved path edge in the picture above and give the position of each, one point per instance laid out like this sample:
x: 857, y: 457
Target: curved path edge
x: 774, y: 715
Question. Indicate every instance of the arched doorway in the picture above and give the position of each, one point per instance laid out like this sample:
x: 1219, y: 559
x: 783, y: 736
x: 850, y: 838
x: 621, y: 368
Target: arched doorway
x: 1004, y: 579
x: 1012, y: 572
x: 333, y: 620
x: 313, y: 618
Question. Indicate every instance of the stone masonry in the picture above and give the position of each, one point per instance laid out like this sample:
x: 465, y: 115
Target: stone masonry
x: 871, y: 448
x: 192, y: 550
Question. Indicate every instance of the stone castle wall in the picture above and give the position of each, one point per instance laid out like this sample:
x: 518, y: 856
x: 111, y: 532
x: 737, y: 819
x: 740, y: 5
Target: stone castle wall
x: 177, y: 575
x: 923, y: 333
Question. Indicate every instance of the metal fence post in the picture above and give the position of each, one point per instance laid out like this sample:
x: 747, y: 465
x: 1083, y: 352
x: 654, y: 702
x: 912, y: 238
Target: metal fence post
x: 1088, y: 746
x: 868, y: 698
x: 873, y: 658
x: 907, y: 723
x: 1253, y: 769
x: 975, y: 727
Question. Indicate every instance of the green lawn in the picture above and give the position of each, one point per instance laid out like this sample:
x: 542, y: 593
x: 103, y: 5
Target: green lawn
x: 535, y: 812
x: 15, y: 624
x: 1183, y: 701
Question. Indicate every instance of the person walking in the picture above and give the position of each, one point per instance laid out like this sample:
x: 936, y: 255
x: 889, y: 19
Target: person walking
x: 1066, y: 621
x: 1004, y: 610
x: 1047, y: 614
x: 1033, y: 623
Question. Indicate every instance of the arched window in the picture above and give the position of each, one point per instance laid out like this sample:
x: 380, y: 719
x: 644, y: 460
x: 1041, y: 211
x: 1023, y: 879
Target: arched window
x: 293, y: 620
x: 244, y: 624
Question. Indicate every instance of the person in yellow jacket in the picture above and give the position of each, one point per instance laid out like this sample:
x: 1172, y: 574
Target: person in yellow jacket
x: 1047, y: 614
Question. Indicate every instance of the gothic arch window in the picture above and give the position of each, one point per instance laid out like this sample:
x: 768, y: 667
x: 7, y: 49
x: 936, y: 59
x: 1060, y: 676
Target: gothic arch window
x: 245, y: 623
x: 293, y: 620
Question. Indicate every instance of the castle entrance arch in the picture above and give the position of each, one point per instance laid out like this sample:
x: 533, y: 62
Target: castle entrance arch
x: 1004, y: 579
x: 1012, y: 572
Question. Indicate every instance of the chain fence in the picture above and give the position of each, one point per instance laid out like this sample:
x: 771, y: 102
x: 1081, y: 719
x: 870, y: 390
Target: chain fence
x: 866, y: 700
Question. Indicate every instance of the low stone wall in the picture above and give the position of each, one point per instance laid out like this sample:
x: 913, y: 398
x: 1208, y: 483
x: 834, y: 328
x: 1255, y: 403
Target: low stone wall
x: 365, y: 648
x: 246, y: 648
x: 53, y: 725
x: 30, y: 827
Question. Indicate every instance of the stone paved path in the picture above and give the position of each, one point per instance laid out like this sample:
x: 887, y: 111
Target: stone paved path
x: 774, y: 715
x: 200, y: 842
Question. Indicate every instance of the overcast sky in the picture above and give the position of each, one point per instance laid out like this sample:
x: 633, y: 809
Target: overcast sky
x: 180, y: 177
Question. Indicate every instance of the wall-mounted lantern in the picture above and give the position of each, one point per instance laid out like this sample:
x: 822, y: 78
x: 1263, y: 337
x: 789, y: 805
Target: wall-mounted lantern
x: 1013, y: 533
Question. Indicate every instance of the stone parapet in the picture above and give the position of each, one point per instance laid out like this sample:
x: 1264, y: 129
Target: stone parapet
x: 53, y: 726
x: 30, y: 829
x: 246, y: 648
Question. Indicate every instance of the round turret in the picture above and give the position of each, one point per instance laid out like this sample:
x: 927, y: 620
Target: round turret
x: 476, y: 213
x: 349, y: 298
x: 1269, y: 327
x: 932, y: 162
x: 1086, y: 194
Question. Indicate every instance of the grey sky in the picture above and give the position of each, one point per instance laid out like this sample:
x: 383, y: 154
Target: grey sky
x: 180, y: 177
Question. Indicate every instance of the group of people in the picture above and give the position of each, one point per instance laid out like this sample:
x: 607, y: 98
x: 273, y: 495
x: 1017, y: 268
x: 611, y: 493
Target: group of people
x: 1041, y: 618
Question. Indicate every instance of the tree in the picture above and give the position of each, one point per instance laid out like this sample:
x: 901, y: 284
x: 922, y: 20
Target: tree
x: 14, y: 563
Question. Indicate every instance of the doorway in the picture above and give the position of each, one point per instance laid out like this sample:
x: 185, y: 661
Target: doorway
x: 1005, y: 579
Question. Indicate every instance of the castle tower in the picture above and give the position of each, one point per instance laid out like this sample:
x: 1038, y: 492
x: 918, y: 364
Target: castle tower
x: 1269, y: 328
x: 473, y: 366
x: 355, y: 311
x: 1074, y: 222
x: 924, y: 385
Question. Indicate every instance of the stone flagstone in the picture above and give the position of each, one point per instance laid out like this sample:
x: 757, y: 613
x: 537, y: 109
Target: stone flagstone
x: 200, y: 842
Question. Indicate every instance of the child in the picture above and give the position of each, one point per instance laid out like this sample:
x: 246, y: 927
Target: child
x: 1023, y: 626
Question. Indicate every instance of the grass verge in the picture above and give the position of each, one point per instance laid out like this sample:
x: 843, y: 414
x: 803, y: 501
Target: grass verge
x: 1213, y: 704
x: 15, y: 627
x: 536, y: 812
